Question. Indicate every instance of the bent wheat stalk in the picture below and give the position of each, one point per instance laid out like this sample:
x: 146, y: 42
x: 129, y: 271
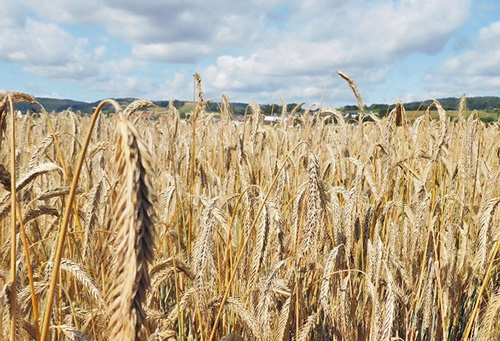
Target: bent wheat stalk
x: 65, y: 220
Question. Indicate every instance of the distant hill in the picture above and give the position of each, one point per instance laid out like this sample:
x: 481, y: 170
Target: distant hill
x: 58, y: 105
x: 489, y: 103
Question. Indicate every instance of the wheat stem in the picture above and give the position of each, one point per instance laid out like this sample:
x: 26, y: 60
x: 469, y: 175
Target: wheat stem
x: 30, y: 274
x: 13, y: 246
x: 65, y: 220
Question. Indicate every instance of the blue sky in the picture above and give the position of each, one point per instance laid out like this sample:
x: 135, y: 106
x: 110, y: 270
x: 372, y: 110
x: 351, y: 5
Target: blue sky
x: 251, y: 50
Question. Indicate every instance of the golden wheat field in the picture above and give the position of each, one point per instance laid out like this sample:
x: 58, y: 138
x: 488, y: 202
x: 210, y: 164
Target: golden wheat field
x: 120, y: 228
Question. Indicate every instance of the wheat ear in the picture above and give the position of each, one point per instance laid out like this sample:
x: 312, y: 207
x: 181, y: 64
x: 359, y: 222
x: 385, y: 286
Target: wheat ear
x: 355, y: 91
x: 82, y: 277
x: 489, y: 322
x: 136, y: 105
x: 486, y: 217
x: 204, y: 248
x: 462, y: 105
x: 306, y: 329
x: 133, y: 227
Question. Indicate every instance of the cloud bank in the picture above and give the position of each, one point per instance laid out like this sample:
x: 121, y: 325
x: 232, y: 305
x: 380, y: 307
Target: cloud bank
x: 251, y: 49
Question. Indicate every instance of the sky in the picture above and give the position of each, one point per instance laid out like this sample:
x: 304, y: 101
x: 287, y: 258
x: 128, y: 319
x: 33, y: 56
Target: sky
x: 251, y: 50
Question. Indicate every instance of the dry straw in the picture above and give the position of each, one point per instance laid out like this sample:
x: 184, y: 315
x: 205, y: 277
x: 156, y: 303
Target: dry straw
x: 317, y: 230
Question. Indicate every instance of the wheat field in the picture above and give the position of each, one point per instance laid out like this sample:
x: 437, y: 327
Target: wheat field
x: 120, y: 228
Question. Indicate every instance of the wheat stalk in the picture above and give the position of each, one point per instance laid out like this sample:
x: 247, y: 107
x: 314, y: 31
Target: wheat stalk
x: 65, y: 221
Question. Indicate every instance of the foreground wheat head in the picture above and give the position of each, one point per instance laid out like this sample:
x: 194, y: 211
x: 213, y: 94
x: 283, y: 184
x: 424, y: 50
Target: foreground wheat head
x: 133, y: 228
x: 195, y: 229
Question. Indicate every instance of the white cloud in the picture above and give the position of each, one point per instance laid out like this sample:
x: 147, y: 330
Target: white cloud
x: 36, y: 42
x: 361, y: 38
x: 251, y: 48
x: 47, y: 50
x: 354, y: 29
x: 490, y: 34
x: 477, y: 68
x: 174, y: 24
x: 177, y: 86
x: 179, y: 52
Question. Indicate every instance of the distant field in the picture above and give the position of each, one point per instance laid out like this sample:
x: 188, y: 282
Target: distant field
x: 412, y: 115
